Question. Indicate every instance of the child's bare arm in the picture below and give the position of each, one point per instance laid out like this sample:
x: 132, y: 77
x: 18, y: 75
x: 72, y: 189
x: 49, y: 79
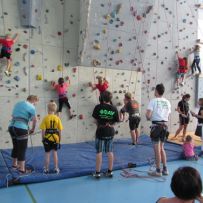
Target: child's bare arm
x: 59, y: 136
x: 16, y: 37
x: 43, y: 134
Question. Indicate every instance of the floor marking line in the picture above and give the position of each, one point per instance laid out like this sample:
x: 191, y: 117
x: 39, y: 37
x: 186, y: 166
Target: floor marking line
x: 30, y: 194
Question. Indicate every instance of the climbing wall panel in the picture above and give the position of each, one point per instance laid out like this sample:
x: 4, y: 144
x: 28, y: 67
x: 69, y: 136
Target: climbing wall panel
x: 82, y: 100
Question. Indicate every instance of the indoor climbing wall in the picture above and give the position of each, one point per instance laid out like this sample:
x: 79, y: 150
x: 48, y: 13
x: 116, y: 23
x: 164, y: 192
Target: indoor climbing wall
x: 82, y: 39
x: 142, y: 35
x: 47, y: 52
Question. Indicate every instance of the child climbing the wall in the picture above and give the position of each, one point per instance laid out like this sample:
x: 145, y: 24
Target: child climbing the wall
x: 132, y: 108
x: 188, y: 149
x: 61, y: 89
x: 102, y: 86
x: 196, y: 60
x: 6, y: 51
x: 51, y: 127
x: 182, y: 70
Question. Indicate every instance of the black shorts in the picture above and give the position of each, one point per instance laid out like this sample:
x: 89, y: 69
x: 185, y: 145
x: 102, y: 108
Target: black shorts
x: 6, y: 54
x: 104, y: 133
x: 48, y: 145
x: 19, y: 145
x: 183, y: 120
x: 199, y: 131
x: 62, y: 101
x: 134, y: 122
x: 159, y: 133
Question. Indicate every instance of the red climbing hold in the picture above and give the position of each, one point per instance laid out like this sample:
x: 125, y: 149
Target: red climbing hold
x: 59, y: 33
x: 74, y: 70
x: 73, y: 95
x: 25, y: 46
x: 81, y: 116
x: 139, y: 17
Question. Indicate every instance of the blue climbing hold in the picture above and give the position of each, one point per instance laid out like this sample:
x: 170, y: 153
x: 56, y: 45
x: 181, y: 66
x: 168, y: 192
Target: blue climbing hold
x: 113, y: 14
x: 32, y: 51
x: 17, y: 63
x: 16, y: 78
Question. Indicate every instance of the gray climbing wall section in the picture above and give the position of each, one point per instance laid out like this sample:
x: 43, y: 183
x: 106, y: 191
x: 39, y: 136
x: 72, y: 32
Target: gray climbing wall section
x: 30, y: 12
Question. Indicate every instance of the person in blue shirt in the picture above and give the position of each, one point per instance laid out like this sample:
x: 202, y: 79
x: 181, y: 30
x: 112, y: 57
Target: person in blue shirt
x: 23, y: 113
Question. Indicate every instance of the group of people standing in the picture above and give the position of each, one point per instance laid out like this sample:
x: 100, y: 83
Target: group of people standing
x: 105, y: 115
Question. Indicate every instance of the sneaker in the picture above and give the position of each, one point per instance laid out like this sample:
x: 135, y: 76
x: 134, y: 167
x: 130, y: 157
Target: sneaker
x: 7, y: 73
x: 132, y: 143
x: 155, y: 173
x: 57, y: 171
x: 165, y: 172
x: 45, y: 171
x: 96, y: 175
x: 109, y: 174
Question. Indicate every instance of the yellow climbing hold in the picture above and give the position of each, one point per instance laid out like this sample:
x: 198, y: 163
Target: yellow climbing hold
x: 39, y: 77
x: 104, y: 30
x: 107, y: 17
x: 96, y: 62
x: 97, y: 46
x: 59, y: 68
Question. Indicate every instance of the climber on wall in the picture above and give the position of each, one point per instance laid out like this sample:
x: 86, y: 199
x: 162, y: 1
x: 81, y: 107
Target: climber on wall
x: 6, y: 50
x: 102, y: 86
x: 61, y: 89
x: 196, y: 60
x: 131, y: 106
x: 182, y: 70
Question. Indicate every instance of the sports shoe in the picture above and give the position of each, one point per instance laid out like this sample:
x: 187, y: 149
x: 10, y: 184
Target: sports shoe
x: 57, y: 171
x: 165, y: 172
x: 155, y: 173
x: 96, y: 175
x: 45, y: 170
x: 109, y: 174
x: 7, y: 73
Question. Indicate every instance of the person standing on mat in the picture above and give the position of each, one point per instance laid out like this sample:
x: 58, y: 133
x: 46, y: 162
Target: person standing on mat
x: 22, y: 114
x: 184, y: 116
x: 199, y: 129
x: 51, y: 127
x: 158, y: 112
x: 132, y: 108
x: 106, y: 115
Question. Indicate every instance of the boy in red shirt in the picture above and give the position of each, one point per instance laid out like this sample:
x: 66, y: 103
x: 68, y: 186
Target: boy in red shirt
x: 102, y: 86
x: 182, y: 70
x: 6, y: 51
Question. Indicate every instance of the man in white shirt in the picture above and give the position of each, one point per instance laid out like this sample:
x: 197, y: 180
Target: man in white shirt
x: 158, y: 112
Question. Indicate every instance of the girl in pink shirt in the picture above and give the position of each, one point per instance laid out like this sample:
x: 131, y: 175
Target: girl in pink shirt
x: 61, y: 89
x: 188, y: 149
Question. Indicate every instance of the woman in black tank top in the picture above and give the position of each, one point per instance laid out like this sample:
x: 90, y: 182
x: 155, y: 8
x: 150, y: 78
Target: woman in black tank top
x: 199, y: 129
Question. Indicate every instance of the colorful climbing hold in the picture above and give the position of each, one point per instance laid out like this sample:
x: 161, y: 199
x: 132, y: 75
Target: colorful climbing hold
x: 59, y: 68
x: 39, y: 77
